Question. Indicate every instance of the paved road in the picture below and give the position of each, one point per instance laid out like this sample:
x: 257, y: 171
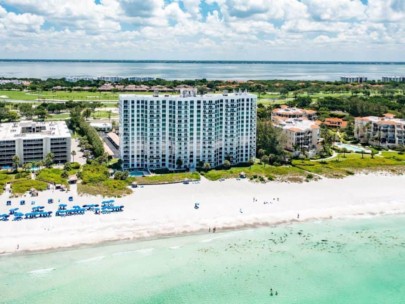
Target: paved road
x: 109, y: 144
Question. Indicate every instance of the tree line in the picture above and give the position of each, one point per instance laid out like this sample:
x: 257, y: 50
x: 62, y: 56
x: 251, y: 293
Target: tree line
x: 82, y: 127
x: 284, y: 87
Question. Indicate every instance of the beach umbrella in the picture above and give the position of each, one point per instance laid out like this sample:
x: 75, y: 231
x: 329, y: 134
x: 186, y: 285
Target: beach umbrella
x: 12, y: 211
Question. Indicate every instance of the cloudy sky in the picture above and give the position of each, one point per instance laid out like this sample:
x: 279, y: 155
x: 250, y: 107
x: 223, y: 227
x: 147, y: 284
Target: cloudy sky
x: 203, y: 29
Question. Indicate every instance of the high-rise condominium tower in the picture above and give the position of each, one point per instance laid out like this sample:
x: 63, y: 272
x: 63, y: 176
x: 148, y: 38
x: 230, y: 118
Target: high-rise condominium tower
x: 187, y: 130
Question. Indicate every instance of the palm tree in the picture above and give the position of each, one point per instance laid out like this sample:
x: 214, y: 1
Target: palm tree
x: 86, y: 113
x: 265, y: 160
x: 16, y: 162
x: 207, y: 166
x: 27, y: 167
x: 179, y: 162
x: 260, y: 153
x: 49, y: 160
x: 73, y: 153
x: 344, y: 150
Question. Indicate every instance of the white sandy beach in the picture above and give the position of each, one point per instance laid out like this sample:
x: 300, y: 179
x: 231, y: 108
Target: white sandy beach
x: 154, y: 211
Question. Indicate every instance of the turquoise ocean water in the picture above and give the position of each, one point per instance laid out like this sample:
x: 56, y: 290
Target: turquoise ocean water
x: 338, y: 261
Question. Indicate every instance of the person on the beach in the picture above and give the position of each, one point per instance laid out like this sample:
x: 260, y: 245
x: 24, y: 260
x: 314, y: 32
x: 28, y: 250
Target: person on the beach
x: 209, y: 229
x: 214, y: 229
x: 298, y: 216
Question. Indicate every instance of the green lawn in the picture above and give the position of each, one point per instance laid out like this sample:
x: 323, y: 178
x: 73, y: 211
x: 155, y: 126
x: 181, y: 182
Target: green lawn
x: 59, y: 95
x: 103, y: 114
x: 65, y: 95
x: 61, y: 116
x: 165, y: 178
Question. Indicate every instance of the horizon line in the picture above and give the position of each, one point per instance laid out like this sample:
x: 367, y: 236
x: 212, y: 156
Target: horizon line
x: 203, y: 61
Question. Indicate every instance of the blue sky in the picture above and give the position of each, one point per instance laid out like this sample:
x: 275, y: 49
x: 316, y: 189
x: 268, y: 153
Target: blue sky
x: 203, y: 29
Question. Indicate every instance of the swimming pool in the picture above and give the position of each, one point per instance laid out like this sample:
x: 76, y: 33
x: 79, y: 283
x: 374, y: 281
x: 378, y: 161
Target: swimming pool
x: 351, y: 148
x: 138, y: 173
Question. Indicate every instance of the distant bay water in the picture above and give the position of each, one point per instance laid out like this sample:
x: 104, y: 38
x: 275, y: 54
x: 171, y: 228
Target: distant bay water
x: 213, y: 70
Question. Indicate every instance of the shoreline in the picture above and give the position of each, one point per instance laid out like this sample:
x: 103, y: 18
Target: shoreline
x: 167, y: 212
x: 193, y: 233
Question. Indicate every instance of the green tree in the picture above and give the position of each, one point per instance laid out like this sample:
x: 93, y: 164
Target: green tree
x: 16, y: 162
x: 121, y: 175
x: 179, y: 163
x: 207, y: 166
x: 344, y: 151
x: 48, y: 161
x: 227, y: 164
x: 41, y: 113
x: 73, y: 153
x: 27, y: 167
x: 26, y: 110
x: 269, y: 138
x: 87, y: 113
x: 4, y: 113
x: 67, y: 166
x: 260, y: 153
x: 265, y: 159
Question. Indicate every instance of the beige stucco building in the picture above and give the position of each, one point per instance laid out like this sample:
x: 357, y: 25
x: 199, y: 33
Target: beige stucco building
x: 385, y: 131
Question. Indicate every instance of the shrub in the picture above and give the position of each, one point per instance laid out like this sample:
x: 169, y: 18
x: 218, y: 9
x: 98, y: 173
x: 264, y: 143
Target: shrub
x: 22, y: 174
x: 75, y: 165
x: 94, y: 173
x: 21, y: 186
x: 121, y: 175
x: 52, y: 175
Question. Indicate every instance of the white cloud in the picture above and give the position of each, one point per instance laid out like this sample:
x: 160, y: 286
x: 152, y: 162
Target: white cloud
x: 180, y: 29
x: 336, y: 9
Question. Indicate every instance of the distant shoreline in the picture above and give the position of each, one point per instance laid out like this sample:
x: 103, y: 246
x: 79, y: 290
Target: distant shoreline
x: 205, y: 61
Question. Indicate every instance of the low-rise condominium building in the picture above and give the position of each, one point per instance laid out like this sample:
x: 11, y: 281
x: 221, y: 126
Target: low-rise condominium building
x: 187, y: 130
x: 393, y: 79
x: 353, y: 79
x: 32, y: 141
x: 299, y: 134
x: 386, y: 131
x: 334, y: 122
x: 286, y: 112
